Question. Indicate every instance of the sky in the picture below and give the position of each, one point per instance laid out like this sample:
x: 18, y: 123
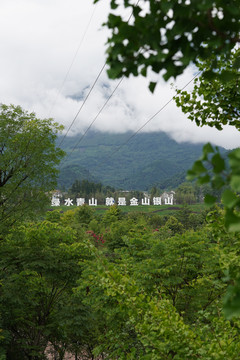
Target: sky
x: 51, y: 54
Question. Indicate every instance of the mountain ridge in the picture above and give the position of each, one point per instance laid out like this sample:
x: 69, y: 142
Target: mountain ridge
x: 148, y: 159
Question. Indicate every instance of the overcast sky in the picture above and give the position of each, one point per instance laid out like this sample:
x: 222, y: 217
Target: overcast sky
x: 54, y: 49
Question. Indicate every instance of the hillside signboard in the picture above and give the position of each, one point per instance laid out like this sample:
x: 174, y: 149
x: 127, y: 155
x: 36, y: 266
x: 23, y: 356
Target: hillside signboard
x: 109, y: 201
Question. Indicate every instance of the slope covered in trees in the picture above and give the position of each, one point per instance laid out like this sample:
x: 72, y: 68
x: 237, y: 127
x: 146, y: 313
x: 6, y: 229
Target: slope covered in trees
x: 132, y: 287
x: 28, y: 161
x: 118, y: 286
x: 166, y: 36
x: 148, y: 159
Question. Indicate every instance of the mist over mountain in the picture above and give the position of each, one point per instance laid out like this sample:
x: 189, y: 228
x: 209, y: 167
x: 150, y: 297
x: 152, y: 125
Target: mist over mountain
x: 146, y: 160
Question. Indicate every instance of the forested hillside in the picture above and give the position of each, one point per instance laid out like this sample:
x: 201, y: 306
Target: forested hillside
x: 118, y: 286
x: 147, y: 159
x: 113, y: 285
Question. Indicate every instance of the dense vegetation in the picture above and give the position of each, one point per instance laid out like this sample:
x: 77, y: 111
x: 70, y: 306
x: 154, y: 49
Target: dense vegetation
x: 165, y: 37
x: 148, y: 159
x: 186, y: 193
x: 129, y: 286
x: 28, y: 160
x: 87, y: 188
x: 118, y: 286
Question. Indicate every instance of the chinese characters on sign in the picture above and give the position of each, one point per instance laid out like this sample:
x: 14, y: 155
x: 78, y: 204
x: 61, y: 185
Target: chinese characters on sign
x: 122, y: 201
x: 80, y: 201
x: 92, y: 202
x: 109, y: 201
x: 145, y: 201
x: 157, y: 201
x: 133, y: 202
x: 55, y: 201
x: 68, y: 202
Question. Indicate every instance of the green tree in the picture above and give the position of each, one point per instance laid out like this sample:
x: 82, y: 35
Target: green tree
x: 154, y: 191
x: 212, y: 168
x: 168, y: 35
x: 214, y: 101
x: 174, y: 225
x: 183, y: 216
x: 113, y: 214
x: 185, y: 194
x: 39, y: 266
x: 161, y: 299
x: 84, y: 214
x: 28, y: 159
x: 89, y: 189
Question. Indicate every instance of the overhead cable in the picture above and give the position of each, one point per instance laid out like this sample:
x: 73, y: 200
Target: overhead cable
x: 136, y: 132
x: 151, y: 118
x: 73, y: 60
x: 88, y: 94
x: 93, y: 121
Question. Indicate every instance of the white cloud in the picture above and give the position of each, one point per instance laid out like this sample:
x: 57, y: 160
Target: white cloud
x: 39, y: 40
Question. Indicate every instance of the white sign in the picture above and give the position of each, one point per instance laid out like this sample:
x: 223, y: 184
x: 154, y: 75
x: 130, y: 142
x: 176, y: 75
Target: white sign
x: 68, y: 202
x: 122, y: 201
x: 133, y: 202
x: 109, y: 201
x: 55, y: 201
x: 92, y: 202
x: 157, y: 201
x: 169, y: 200
x: 145, y: 201
x: 80, y: 201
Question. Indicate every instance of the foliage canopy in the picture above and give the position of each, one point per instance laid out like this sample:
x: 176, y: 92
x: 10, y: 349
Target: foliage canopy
x: 117, y: 287
x: 168, y: 35
x: 28, y: 159
x: 214, y: 101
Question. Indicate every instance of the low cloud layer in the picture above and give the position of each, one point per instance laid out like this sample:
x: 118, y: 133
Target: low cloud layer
x: 51, y: 54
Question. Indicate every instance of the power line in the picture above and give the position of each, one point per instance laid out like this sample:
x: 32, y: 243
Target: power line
x: 89, y: 127
x: 151, y: 118
x: 93, y: 85
x: 136, y: 132
x: 88, y: 94
x: 95, y: 118
x: 73, y: 60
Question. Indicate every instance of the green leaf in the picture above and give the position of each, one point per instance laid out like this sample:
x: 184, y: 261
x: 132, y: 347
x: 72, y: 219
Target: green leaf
x: 198, y: 167
x: 231, y: 306
x: 203, y: 5
x: 166, y: 6
x: 210, y: 199
x: 152, y: 86
x: 218, y: 182
x: 209, y: 75
x: 229, y: 199
x: 207, y: 148
x: 218, y: 163
x: 204, y: 179
x: 232, y: 221
x: 234, y: 160
x: 235, y: 182
x: 115, y: 72
x: 191, y: 175
x: 236, y: 64
x: 144, y: 72
x: 227, y: 75
x: 234, y: 226
x: 235, y: 153
x: 114, y: 5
